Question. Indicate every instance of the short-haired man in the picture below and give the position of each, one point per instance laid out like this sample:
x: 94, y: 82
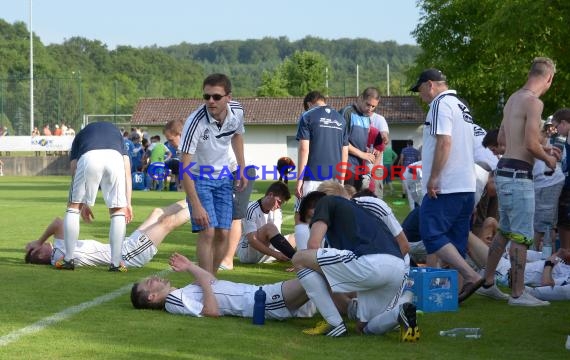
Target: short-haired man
x: 323, y: 144
x: 448, y: 176
x: 262, y: 240
x: 208, y: 296
x: 208, y: 183
x: 137, y: 250
x: 358, y: 119
x: 362, y: 257
x: 98, y: 158
x: 519, y: 132
x: 561, y: 120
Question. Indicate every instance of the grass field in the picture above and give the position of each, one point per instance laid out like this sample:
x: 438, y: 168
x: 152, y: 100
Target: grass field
x: 49, y: 314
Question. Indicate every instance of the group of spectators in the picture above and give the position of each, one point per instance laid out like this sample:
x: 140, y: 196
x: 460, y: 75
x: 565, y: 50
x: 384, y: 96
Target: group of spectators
x: 349, y: 252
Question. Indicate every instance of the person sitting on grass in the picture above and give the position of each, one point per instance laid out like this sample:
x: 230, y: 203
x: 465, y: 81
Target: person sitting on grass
x: 208, y: 296
x: 138, y: 248
x: 262, y: 240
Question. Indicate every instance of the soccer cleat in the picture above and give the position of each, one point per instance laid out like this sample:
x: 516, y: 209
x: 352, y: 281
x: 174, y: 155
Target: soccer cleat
x: 493, y: 292
x: 120, y: 268
x: 62, y: 264
x: 409, y: 330
x: 324, y: 328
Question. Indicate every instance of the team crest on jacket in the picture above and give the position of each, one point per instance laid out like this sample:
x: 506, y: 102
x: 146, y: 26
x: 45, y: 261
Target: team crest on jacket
x: 206, y: 135
x: 275, y: 297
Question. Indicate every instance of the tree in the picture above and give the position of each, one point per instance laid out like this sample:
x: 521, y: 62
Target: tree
x: 485, y: 48
x: 304, y: 71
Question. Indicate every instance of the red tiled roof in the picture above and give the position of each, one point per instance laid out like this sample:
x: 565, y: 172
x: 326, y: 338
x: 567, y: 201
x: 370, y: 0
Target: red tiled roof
x: 278, y: 111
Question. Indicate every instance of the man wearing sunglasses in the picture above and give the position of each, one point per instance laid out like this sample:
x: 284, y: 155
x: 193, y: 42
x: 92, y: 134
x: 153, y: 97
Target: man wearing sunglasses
x: 208, y: 183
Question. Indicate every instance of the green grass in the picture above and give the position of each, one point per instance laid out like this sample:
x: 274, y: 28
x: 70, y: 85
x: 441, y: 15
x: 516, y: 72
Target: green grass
x: 114, y: 330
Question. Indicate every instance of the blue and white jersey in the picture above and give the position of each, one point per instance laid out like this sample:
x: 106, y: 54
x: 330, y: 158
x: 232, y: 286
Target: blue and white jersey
x: 97, y: 136
x: 207, y: 143
x: 358, y: 127
x: 234, y: 299
x: 256, y: 218
x: 327, y: 133
x: 447, y: 115
x: 382, y: 211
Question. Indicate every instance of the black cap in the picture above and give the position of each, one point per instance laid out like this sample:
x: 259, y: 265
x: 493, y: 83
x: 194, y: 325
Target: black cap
x: 428, y: 75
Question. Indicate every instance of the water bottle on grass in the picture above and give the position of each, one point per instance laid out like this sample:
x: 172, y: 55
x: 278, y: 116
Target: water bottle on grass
x: 259, y: 307
x: 467, y: 333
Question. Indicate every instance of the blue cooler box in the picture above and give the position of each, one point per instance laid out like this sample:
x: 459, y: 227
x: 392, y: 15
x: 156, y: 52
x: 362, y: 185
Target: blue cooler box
x: 435, y: 290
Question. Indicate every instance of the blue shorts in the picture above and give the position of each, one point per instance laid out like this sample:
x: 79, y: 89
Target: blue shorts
x: 217, y: 199
x: 516, y: 208
x: 446, y: 220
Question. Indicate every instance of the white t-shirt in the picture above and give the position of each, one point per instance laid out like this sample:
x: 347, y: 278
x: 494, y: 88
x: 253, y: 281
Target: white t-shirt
x: 481, y: 153
x: 209, y: 144
x: 379, y: 122
x: 447, y: 115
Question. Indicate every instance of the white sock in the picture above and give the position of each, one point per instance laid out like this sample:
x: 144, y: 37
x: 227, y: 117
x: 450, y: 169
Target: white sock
x: 117, y: 232
x: 387, y: 320
x: 383, y: 322
x: 70, y: 232
x: 317, y: 290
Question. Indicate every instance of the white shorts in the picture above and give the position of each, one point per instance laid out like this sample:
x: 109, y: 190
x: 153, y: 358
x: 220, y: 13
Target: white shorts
x: 96, y: 168
x: 308, y: 186
x: 377, y: 278
x: 248, y: 255
x: 302, y: 233
x: 275, y: 307
x: 138, y: 249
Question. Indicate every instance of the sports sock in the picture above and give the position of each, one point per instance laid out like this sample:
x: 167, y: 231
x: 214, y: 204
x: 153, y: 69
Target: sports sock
x: 280, y: 243
x: 388, y: 319
x: 116, y: 236
x: 70, y: 232
x: 317, y: 290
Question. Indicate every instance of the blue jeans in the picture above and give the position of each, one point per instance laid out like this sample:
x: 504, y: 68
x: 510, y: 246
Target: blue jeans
x: 516, y: 208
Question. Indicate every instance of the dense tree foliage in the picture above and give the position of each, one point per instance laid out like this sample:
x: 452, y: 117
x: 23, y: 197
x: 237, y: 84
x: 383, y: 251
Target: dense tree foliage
x: 485, y: 48
x: 82, y: 76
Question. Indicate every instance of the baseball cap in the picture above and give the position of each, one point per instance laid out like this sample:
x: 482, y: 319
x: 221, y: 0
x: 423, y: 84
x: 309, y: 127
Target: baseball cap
x: 428, y: 75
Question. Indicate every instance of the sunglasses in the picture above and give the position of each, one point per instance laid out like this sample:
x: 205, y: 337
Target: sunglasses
x: 216, y: 97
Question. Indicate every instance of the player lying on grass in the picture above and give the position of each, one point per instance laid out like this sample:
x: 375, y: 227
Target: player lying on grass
x: 208, y: 296
x: 137, y: 250
x: 549, y: 278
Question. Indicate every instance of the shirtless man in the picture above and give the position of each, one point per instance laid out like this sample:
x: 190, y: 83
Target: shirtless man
x: 521, y: 121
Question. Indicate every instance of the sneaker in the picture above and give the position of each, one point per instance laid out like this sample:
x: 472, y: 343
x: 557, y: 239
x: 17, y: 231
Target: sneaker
x: 120, y: 268
x: 324, y: 328
x: 409, y: 330
x: 493, y: 292
x: 352, y: 309
x: 62, y: 264
x: 527, y: 299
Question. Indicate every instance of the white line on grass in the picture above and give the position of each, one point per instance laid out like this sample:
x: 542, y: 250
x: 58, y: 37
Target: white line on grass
x: 62, y: 315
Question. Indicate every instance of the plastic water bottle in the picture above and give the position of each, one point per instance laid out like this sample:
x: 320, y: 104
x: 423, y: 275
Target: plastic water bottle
x: 259, y: 307
x: 547, y: 244
x: 468, y: 333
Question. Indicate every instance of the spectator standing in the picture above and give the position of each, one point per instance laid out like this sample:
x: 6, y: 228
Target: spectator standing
x: 206, y: 138
x: 389, y: 157
x: 357, y: 117
x: 323, y: 144
x: 46, y: 131
x: 519, y: 132
x: 98, y: 159
x: 561, y: 120
x: 408, y: 155
x: 448, y: 176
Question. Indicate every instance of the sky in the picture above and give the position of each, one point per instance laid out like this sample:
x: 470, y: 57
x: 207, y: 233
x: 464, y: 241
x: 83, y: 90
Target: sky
x: 140, y: 23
